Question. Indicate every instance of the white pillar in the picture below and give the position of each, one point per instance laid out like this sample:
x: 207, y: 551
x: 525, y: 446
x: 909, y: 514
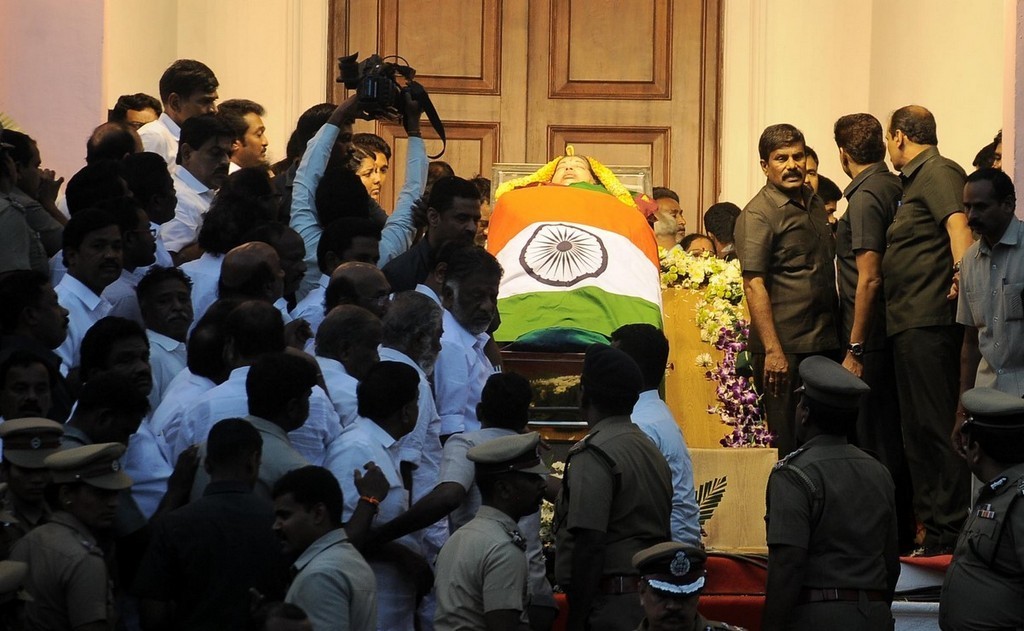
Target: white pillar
x: 1013, y: 92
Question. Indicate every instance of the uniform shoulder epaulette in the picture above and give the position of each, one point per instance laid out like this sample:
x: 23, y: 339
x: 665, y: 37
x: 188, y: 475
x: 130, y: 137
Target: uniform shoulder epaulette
x: 721, y: 626
x: 1020, y: 485
x: 785, y: 461
x: 580, y: 445
x: 90, y: 547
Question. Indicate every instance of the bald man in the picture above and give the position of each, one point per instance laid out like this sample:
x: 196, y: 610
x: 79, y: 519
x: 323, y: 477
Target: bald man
x: 346, y: 349
x: 358, y: 284
x: 112, y: 141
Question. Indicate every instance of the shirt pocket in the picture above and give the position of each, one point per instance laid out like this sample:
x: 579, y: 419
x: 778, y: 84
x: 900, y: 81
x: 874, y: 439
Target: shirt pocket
x: 792, y: 258
x: 976, y: 304
x: 1013, y: 304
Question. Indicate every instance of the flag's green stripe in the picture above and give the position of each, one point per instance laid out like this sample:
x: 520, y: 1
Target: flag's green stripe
x: 588, y: 308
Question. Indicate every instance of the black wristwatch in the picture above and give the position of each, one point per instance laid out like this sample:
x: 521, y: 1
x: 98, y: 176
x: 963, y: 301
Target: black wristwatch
x: 856, y: 349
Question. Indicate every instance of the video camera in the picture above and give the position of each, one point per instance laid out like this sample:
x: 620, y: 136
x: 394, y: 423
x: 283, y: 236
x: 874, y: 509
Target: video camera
x: 378, y: 93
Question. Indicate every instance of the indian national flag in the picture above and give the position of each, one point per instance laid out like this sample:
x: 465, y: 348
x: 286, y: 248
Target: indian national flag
x: 573, y: 258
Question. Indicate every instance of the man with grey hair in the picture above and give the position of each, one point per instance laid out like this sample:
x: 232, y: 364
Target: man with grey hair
x: 786, y: 249
x: 470, y: 299
x: 346, y: 349
x: 412, y: 336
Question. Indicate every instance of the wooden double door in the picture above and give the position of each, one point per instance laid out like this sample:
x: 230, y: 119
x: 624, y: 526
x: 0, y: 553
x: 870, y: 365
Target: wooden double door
x: 630, y: 82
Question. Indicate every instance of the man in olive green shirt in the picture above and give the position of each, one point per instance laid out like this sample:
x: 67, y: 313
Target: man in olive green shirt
x: 616, y: 499
x: 786, y: 250
x: 926, y: 243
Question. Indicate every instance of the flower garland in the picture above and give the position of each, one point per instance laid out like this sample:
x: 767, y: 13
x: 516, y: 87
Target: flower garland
x: 544, y: 174
x: 720, y: 319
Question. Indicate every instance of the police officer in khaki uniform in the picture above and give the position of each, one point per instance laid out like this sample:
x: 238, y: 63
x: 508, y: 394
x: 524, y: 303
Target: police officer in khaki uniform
x: 984, y: 586
x: 616, y: 499
x: 68, y: 577
x: 671, y: 580
x: 833, y: 560
x: 26, y: 444
x: 482, y: 571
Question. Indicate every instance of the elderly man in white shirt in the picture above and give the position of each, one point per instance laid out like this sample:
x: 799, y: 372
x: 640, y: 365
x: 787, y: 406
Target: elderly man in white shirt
x: 648, y: 346
x: 388, y: 410
x: 165, y: 301
x: 254, y: 329
x: 205, y: 368
x: 92, y: 249
x: 203, y: 158
x: 411, y: 335
x: 187, y: 88
x: 470, y: 298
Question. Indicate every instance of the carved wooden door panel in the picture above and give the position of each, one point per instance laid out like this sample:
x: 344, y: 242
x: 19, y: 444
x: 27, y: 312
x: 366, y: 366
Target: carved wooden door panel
x: 631, y: 82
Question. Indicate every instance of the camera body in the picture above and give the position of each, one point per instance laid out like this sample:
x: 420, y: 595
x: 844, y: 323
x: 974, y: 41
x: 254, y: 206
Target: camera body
x: 378, y: 93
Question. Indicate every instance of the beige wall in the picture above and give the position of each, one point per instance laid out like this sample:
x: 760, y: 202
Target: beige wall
x: 51, y: 74
x: 870, y: 56
x: 270, y: 51
x: 802, y: 61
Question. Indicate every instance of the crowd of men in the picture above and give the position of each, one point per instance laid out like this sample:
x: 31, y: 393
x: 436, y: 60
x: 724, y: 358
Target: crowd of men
x: 284, y: 406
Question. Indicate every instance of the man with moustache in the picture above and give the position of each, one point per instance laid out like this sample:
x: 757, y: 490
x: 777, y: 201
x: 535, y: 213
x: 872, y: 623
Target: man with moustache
x: 251, y: 140
x: 786, y: 249
x: 26, y: 443
x: 453, y: 215
x: 482, y: 571
x: 138, y: 252
x: 203, y: 156
x: 991, y: 281
x: 32, y: 320
x: 470, y: 299
x: 332, y: 582
x: 165, y: 301
x: 26, y: 383
x: 188, y: 88
x: 92, y: 252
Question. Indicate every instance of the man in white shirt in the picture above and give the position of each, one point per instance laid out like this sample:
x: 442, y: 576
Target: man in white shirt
x: 205, y: 369
x: 346, y: 349
x: 138, y: 252
x: 165, y: 302
x: 388, y: 410
x: 348, y: 239
x: 504, y: 409
x: 152, y: 186
x: 254, y: 329
x: 118, y: 346
x: 202, y: 169
x: 246, y: 119
x: 92, y: 252
x: 187, y: 88
x: 470, y: 298
x: 649, y: 349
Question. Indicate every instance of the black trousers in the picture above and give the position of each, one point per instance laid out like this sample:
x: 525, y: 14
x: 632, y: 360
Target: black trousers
x: 880, y: 432
x: 927, y: 365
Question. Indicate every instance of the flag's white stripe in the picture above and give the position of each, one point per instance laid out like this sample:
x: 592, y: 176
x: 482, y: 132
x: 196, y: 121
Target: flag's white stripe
x: 629, y: 271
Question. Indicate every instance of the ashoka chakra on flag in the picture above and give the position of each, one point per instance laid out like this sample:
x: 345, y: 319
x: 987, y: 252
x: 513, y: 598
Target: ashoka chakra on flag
x: 574, y: 259
x: 562, y: 255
